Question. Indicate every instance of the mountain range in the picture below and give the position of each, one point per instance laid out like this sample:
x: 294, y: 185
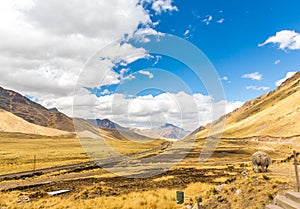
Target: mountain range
x: 166, y: 131
x: 20, y: 114
x: 105, y: 124
x: 274, y: 114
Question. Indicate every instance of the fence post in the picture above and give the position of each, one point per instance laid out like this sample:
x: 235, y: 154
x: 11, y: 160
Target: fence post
x: 34, y: 162
x: 296, y: 170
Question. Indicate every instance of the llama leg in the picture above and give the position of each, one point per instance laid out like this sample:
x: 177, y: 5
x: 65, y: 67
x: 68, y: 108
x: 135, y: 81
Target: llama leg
x: 255, y: 168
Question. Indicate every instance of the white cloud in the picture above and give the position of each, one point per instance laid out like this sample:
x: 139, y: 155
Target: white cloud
x: 277, y: 62
x: 257, y: 88
x: 160, y: 6
x: 157, y: 58
x: 142, y: 33
x: 208, y: 19
x: 186, y: 32
x: 253, y: 76
x: 89, y: 18
x: 105, y: 91
x: 43, y: 51
x: 287, y: 39
x: 287, y: 76
x: 220, y: 21
x: 45, y: 44
x: 224, y: 78
x: 181, y: 109
x: 147, y: 73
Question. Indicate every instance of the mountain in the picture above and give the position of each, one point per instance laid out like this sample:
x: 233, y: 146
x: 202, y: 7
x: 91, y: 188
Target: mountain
x: 167, y: 131
x: 18, y: 111
x: 32, y: 112
x: 275, y: 114
x: 13, y: 123
x: 118, y: 131
x: 105, y: 123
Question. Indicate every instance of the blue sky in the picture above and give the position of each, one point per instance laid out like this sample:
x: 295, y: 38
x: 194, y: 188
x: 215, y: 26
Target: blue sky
x: 232, y: 46
x: 229, y: 34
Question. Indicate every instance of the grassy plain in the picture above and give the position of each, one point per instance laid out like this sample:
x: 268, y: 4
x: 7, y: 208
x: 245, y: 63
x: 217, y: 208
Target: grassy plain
x: 17, y: 151
x: 218, y: 181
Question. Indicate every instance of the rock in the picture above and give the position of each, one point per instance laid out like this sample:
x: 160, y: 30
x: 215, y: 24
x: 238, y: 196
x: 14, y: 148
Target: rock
x: 189, y: 206
x: 238, y: 192
x: 220, y: 187
x: 23, y: 199
x: 244, y: 173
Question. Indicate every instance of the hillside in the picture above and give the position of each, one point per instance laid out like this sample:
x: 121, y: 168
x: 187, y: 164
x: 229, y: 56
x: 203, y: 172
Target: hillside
x: 32, y: 112
x: 276, y: 114
x: 13, y: 123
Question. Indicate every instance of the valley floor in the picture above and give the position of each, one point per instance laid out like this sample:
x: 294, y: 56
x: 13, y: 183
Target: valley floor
x: 225, y: 180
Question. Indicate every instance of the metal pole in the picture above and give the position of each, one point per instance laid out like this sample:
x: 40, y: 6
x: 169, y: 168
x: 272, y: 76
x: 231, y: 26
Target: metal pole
x: 296, y: 170
x: 34, y: 162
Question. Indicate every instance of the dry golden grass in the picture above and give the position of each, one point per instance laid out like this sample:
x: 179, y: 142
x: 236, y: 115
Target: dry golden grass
x: 135, y: 146
x: 160, y: 199
x: 164, y: 178
x: 252, y: 191
x: 18, y: 154
x: 17, y: 151
x: 275, y: 114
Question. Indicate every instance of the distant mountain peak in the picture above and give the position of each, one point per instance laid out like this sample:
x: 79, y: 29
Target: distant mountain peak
x: 54, y: 109
x: 168, y: 125
x: 167, y: 131
x: 105, y: 123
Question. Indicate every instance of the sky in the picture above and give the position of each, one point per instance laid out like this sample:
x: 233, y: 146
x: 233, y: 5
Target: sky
x: 143, y: 63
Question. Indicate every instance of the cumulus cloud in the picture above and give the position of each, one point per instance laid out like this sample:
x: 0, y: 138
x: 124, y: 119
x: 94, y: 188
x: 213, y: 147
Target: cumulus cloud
x: 287, y: 76
x: 253, y: 76
x: 257, y: 88
x: 277, y: 62
x: 181, y: 109
x: 286, y: 39
x: 83, y: 17
x: 160, y: 6
x: 43, y: 50
x: 147, y: 73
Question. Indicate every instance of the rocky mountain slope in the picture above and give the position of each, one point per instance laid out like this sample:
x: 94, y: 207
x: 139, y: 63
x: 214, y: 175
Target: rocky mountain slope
x: 117, y: 131
x: 32, y: 112
x: 105, y: 123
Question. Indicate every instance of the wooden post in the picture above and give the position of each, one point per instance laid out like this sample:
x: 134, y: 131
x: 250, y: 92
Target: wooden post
x: 34, y: 162
x: 296, y: 170
x: 199, y: 200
